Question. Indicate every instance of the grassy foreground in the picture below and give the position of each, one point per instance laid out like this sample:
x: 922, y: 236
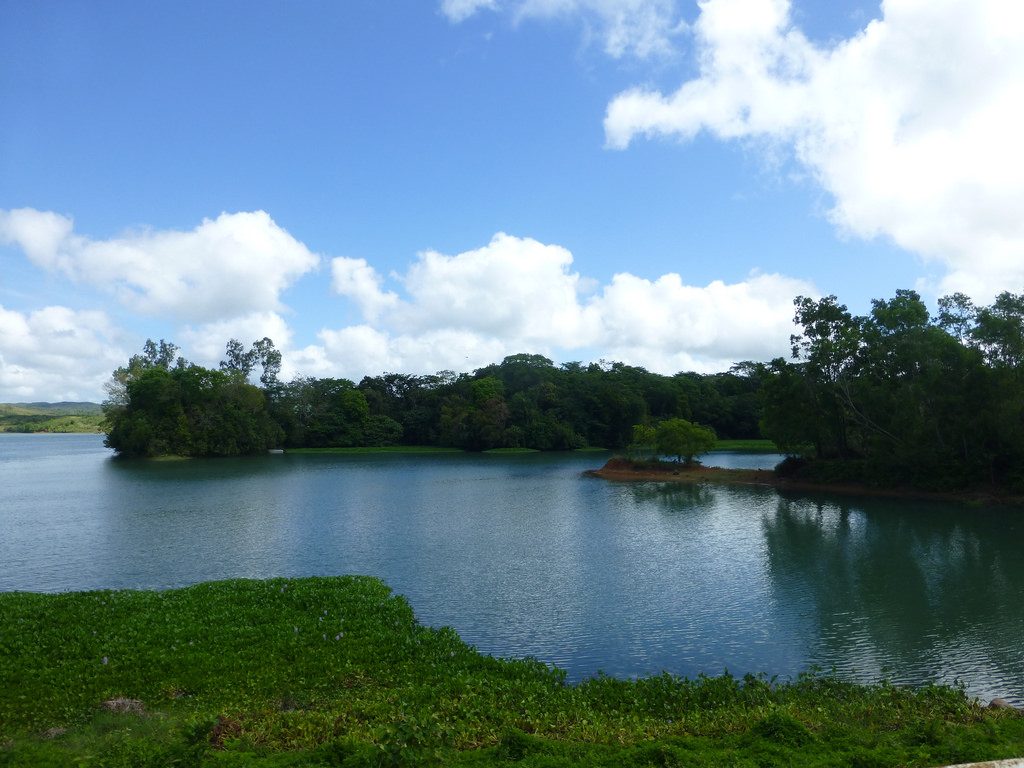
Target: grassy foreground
x: 336, y: 671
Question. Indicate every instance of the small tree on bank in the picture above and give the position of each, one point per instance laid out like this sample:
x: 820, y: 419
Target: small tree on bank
x: 683, y: 439
x: 644, y: 444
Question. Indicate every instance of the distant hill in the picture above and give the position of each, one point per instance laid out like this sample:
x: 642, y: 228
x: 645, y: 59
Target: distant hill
x: 51, y: 417
x: 63, y: 408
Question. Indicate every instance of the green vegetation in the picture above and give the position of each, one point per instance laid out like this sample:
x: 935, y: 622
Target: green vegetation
x: 671, y: 437
x: 683, y: 439
x: 748, y: 446
x: 380, y: 449
x: 901, y: 398
x: 895, y: 398
x: 336, y: 672
x: 160, y: 406
x: 51, y: 417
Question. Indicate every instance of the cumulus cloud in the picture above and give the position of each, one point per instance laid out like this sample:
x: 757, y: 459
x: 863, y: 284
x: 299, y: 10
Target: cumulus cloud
x: 515, y: 294
x: 205, y: 344
x: 56, y: 353
x: 460, y: 10
x: 911, y: 125
x: 669, y: 326
x: 359, y: 281
x: 226, y: 267
x: 517, y: 288
x: 640, y: 28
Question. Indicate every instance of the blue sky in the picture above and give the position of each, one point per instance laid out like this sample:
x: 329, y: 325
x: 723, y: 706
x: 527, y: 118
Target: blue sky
x: 410, y: 186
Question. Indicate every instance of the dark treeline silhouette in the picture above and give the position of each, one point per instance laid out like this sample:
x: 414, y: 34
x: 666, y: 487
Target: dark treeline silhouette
x: 162, y: 404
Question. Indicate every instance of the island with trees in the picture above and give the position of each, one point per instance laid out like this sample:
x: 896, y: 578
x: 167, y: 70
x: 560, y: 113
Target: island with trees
x: 161, y: 404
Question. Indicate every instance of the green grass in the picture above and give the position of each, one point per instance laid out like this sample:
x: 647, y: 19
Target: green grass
x: 17, y: 422
x: 51, y: 417
x: 52, y: 409
x: 336, y: 671
x: 751, y: 446
x: 379, y: 449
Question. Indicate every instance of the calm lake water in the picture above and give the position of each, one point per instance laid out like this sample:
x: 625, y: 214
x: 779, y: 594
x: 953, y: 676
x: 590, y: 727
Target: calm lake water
x: 526, y: 557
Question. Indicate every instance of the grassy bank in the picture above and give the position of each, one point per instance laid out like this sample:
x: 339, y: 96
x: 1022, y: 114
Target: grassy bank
x: 380, y: 449
x: 51, y: 417
x: 336, y: 671
x: 749, y: 446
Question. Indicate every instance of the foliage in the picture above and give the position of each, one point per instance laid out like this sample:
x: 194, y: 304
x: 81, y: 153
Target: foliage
x: 683, y: 439
x: 318, y: 413
x: 524, y: 402
x: 51, y: 417
x: 644, y: 444
x: 900, y: 397
x: 336, y: 671
x: 157, y: 409
x: 747, y: 446
x: 903, y: 398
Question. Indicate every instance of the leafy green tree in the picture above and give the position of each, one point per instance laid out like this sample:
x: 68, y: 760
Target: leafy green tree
x: 957, y: 316
x: 999, y: 330
x: 237, y: 360
x: 644, y: 444
x: 321, y: 413
x: 269, y: 358
x: 187, y: 410
x: 785, y: 417
x: 829, y: 346
x: 380, y: 431
x: 153, y: 355
x: 683, y: 439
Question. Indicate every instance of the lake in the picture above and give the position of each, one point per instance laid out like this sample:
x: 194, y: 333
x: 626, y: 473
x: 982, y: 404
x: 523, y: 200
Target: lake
x: 524, y: 556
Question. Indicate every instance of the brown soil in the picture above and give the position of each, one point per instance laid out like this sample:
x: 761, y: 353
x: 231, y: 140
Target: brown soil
x: 624, y: 470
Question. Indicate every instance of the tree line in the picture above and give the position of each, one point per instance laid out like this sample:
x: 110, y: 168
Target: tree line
x: 901, y: 397
x: 893, y: 397
x: 160, y: 403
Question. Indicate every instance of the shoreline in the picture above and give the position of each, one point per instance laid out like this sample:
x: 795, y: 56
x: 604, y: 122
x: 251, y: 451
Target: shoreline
x: 618, y: 469
x: 339, y: 671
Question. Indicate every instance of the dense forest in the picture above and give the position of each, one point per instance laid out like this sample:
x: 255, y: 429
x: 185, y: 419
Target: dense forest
x: 895, y: 397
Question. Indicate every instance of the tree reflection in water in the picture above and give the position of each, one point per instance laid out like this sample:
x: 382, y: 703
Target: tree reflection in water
x: 903, y: 590
x: 675, y: 497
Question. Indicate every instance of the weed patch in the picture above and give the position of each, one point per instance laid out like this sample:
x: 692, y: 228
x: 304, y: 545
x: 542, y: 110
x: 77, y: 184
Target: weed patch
x: 338, y: 672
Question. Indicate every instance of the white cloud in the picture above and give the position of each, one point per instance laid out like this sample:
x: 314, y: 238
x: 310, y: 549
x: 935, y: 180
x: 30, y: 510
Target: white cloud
x: 912, y: 125
x: 56, y: 353
x: 669, y: 326
x: 519, y: 295
x: 40, y: 234
x: 460, y: 10
x: 514, y: 288
x: 226, y: 267
x: 641, y: 28
x: 362, y: 350
x: 360, y: 282
x: 206, y: 344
